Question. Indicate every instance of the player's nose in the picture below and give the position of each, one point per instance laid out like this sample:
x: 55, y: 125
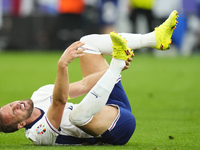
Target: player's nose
x: 16, y: 105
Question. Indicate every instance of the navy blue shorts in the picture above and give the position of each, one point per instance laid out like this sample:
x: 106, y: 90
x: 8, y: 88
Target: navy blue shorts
x: 126, y: 124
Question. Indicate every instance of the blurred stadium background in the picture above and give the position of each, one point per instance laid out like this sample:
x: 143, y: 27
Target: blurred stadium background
x: 55, y: 24
x: 165, y: 95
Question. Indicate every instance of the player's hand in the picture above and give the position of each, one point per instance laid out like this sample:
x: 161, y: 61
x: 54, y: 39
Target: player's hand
x: 128, y: 62
x: 72, y: 52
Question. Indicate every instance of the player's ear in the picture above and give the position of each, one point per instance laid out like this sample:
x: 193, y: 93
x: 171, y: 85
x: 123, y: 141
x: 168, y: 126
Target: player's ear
x: 21, y: 125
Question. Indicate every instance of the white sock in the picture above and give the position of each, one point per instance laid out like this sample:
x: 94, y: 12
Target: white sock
x: 96, y: 99
x: 101, y: 43
x: 140, y: 41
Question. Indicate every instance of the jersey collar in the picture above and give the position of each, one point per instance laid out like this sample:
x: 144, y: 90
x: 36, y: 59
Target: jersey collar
x: 31, y: 124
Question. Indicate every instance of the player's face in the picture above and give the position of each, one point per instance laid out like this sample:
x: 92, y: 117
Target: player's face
x: 17, y: 111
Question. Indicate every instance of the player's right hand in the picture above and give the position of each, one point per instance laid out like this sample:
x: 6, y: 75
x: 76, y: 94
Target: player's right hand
x: 72, y: 52
x: 128, y: 62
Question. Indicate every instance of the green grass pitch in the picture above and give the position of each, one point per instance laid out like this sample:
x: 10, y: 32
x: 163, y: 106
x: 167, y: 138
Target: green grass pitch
x: 164, y: 94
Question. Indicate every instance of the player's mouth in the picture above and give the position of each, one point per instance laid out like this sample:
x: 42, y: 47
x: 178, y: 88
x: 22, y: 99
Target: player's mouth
x: 22, y: 106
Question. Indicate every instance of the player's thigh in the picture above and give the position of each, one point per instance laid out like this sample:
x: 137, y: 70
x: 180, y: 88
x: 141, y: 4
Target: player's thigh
x: 91, y: 63
x: 122, y: 130
x: 101, y: 121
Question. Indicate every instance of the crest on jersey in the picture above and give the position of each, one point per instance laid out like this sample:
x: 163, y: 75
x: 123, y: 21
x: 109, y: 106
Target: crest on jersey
x: 41, y: 129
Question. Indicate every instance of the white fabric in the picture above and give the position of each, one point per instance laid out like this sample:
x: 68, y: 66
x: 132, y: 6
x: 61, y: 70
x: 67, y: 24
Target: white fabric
x: 97, y: 97
x: 102, y: 44
x: 42, y: 99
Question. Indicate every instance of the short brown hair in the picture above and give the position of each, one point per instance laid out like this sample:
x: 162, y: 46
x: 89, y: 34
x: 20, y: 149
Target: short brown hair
x: 7, y: 128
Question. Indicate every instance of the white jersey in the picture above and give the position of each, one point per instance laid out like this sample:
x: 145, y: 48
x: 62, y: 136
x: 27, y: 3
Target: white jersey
x: 41, y: 132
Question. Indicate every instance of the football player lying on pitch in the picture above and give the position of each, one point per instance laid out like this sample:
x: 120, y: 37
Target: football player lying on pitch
x: 104, y: 115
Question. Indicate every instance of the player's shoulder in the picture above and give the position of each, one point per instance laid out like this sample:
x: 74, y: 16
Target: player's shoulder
x: 42, y: 132
x: 43, y: 93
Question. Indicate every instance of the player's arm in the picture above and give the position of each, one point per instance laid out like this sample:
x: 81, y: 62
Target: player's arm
x: 83, y: 86
x: 61, y: 88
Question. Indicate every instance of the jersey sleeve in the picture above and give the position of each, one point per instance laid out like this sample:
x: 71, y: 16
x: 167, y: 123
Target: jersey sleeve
x: 42, y: 133
x: 42, y: 93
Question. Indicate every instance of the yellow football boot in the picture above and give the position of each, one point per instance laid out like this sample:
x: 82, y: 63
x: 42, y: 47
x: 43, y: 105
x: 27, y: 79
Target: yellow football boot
x: 164, y: 32
x: 119, y: 45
